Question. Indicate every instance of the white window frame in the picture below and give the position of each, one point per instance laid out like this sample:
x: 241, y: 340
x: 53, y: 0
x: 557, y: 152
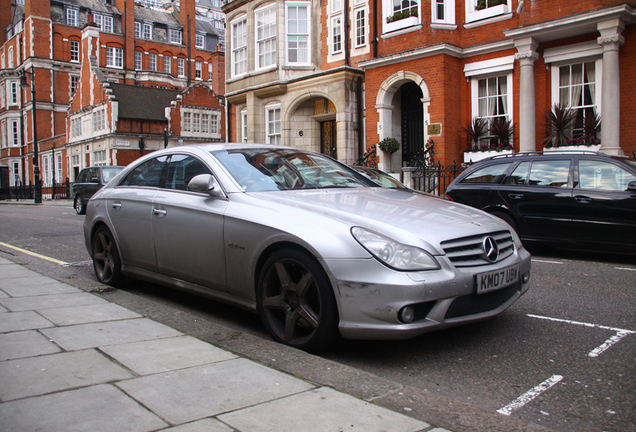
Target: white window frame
x: 448, y: 12
x: 388, y: 11
x: 474, y: 14
x: 14, y: 131
x: 200, y: 123
x: 360, y: 27
x: 10, y: 56
x: 199, y: 41
x: 265, y: 21
x: 180, y: 67
x: 72, y: 17
x: 175, y: 36
x: 273, y: 127
x: 152, y: 62
x: 114, y: 57
x: 336, y: 41
x: 336, y: 6
x: 198, y: 70
x: 139, y: 60
x: 210, y: 72
x: 167, y: 64
x: 244, y: 126
x: 3, y: 130
x: 73, y: 83
x: 137, y: 30
x: 146, y: 31
x: 75, y: 51
x: 298, y: 37
x: 104, y: 22
x: 2, y: 63
x: 14, y: 93
x: 239, y: 46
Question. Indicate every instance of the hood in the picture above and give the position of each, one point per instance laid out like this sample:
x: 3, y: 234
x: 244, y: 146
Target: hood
x: 397, y: 213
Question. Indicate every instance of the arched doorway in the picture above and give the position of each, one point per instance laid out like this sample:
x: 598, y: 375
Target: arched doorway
x: 412, y: 124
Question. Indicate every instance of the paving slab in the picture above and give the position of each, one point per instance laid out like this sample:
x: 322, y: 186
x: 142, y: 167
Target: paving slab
x: 26, y: 320
x: 203, y: 391
x: 17, y: 304
x: 322, y: 409
x: 56, y: 372
x: 11, y: 270
x: 25, y: 344
x: 162, y: 355
x: 101, y: 408
x: 205, y: 425
x: 34, y: 285
x: 71, y: 315
x: 102, y: 334
x: 3, y: 295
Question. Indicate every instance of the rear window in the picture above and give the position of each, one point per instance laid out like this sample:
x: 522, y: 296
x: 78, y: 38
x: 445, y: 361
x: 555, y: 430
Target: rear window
x: 555, y: 173
x: 487, y: 174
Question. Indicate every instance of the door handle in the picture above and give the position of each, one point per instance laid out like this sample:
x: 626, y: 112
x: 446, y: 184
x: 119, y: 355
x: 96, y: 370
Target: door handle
x: 159, y: 212
x: 116, y: 205
x: 583, y: 199
x: 515, y: 196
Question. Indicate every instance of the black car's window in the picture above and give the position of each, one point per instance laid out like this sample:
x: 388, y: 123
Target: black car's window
x: 108, y: 173
x: 83, y: 176
x: 267, y: 170
x: 146, y: 174
x: 182, y: 169
x: 93, y: 175
x: 520, y: 175
x: 487, y: 174
x: 554, y: 173
x: 603, y: 176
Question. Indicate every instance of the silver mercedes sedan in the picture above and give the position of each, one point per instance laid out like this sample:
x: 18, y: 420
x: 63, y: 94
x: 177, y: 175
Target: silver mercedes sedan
x: 317, y: 249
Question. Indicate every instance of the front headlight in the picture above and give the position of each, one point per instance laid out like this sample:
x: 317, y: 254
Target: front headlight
x: 394, y: 254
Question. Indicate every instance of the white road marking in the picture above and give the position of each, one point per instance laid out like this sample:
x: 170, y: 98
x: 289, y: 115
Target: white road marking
x: 620, y: 333
x: 530, y: 395
x: 28, y: 252
x: 545, y: 261
x: 624, y: 268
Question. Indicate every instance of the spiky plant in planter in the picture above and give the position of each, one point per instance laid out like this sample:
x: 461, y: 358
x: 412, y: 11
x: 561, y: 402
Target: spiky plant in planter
x: 502, y: 128
x: 591, y: 129
x: 560, y: 120
x: 476, y: 130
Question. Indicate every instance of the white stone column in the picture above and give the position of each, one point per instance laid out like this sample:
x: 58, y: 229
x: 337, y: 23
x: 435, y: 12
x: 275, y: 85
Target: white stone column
x: 385, y: 130
x: 611, y: 40
x: 526, y: 56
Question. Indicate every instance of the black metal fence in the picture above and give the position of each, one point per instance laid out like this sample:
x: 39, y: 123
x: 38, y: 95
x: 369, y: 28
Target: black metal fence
x: 423, y: 174
x: 55, y: 191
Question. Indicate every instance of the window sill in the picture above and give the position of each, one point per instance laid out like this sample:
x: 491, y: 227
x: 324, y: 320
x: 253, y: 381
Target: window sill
x: 488, y: 21
x: 443, y: 26
x: 402, y: 31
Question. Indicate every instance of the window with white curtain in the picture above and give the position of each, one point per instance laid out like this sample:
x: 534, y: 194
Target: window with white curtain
x: 297, y: 28
x: 265, y: 37
x: 577, y: 90
x: 492, y: 99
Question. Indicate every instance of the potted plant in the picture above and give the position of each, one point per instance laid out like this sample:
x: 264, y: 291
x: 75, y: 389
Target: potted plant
x: 476, y: 130
x: 560, y: 119
x: 478, y: 149
x: 390, y: 146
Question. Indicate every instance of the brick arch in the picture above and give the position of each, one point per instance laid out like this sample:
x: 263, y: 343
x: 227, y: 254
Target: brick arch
x: 385, y: 108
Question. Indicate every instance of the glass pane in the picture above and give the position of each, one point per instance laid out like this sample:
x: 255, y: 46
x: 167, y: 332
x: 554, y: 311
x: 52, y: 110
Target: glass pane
x: 550, y: 173
x: 489, y: 174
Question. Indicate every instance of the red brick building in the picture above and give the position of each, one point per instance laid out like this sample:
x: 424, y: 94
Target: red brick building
x: 171, y: 52
x: 427, y: 70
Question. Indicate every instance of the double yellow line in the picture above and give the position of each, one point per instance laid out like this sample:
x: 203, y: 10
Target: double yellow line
x: 32, y: 253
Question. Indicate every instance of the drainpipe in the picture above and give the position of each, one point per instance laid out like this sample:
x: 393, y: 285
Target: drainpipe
x: 359, y: 128
x: 374, y: 42
x: 346, y: 33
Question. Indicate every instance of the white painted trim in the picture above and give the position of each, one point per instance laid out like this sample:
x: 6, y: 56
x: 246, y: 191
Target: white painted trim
x: 573, y: 52
x: 490, y: 66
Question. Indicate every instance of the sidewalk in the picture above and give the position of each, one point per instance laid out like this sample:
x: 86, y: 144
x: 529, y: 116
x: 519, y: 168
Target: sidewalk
x: 72, y: 361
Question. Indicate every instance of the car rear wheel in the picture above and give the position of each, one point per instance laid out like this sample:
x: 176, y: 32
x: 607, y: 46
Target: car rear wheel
x: 296, y: 301
x: 106, y: 261
x: 79, y: 206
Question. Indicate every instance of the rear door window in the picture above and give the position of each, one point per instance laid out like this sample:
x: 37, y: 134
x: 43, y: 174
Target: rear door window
x: 603, y: 176
x: 487, y: 174
x: 554, y: 173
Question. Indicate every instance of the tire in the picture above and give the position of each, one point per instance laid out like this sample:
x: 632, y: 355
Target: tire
x: 508, y: 219
x: 80, y: 208
x: 296, y: 302
x: 106, y: 261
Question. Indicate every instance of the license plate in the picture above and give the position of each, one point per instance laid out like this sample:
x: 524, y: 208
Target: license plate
x: 496, y: 279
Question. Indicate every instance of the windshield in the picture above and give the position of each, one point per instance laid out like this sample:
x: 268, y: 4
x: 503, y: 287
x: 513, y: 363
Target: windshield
x: 281, y: 169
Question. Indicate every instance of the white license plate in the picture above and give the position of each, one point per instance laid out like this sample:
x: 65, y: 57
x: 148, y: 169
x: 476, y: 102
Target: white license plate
x: 496, y: 279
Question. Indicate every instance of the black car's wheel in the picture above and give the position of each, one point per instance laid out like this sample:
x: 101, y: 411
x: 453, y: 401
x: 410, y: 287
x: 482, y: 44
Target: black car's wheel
x: 296, y: 301
x: 507, y: 218
x: 106, y: 261
x: 80, y: 208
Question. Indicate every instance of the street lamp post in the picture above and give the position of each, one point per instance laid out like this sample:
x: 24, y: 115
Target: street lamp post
x: 36, y: 159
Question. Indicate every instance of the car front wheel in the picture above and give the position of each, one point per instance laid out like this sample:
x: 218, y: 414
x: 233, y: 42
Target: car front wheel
x: 79, y: 206
x: 296, y: 301
x: 106, y: 261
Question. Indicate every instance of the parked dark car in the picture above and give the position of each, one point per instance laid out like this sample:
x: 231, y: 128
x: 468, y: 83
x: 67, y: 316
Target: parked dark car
x: 89, y: 181
x: 583, y: 199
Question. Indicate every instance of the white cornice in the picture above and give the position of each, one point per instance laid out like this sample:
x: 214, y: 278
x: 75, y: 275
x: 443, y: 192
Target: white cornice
x: 573, y: 25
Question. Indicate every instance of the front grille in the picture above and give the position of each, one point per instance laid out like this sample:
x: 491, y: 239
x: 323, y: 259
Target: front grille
x: 469, y: 251
x: 479, y: 303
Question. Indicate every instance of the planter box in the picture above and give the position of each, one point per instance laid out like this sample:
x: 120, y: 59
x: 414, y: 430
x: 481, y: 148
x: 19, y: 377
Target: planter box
x: 593, y: 148
x: 477, y: 156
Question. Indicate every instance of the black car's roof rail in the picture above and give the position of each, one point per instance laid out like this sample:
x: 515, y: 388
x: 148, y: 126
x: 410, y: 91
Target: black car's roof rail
x: 547, y: 153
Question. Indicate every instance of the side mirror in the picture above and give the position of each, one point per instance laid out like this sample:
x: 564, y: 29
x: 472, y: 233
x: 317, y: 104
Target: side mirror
x: 631, y: 186
x: 204, y: 183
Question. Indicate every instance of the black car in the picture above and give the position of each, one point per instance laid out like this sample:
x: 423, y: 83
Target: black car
x: 89, y: 181
x: 583, y: 199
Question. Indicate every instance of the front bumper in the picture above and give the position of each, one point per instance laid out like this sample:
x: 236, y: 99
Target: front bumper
x: 371, y: 296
